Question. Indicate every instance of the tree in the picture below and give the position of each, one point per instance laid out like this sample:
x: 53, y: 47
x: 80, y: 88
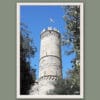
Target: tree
x: 60, y: 87
x: 27, y: 50
x: 72, y: 37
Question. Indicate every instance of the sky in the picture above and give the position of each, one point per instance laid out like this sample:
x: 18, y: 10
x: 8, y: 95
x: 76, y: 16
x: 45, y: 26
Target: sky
x: 39, y: 17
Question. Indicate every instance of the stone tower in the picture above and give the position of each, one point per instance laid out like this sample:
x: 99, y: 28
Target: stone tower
x: 50, y: 67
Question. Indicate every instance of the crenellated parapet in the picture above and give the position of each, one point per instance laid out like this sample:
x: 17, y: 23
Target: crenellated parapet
x: 49, y: 31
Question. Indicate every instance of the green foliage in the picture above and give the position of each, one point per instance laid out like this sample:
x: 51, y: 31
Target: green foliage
x: 60, y: 87
x: 68, y: 86
x: 73, y: 81
x: 72, y: 20
x: 72, y: 38
x: 27, y: 50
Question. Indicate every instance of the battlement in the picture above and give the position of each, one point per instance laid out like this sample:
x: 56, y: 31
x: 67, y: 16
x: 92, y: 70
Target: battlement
x: 50, y: 31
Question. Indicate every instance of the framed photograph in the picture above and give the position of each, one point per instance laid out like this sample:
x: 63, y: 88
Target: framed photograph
x: 50, y: 50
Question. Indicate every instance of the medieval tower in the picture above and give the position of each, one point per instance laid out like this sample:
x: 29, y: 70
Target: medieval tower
x: 50, y: 66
